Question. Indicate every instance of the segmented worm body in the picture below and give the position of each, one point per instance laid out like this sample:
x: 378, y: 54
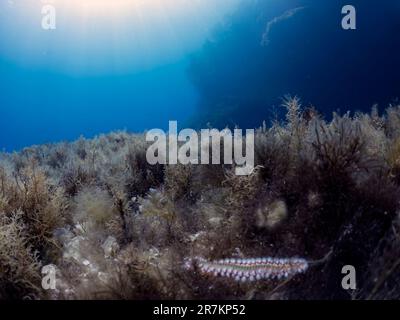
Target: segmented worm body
x: 248, y: 270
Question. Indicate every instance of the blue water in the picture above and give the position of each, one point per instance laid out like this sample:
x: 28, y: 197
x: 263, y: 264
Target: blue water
x: 109, y: 67
x: 39, y: 107
x: 242, y: 79
x: 196, y: 61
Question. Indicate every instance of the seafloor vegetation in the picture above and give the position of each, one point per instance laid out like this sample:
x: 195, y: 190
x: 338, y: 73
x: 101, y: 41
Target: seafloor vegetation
x: 117, y: 228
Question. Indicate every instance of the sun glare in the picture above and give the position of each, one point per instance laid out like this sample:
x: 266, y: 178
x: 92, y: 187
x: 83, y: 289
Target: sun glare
x: 122, y: 7
x: 99, y: 36
x: 108, y: 4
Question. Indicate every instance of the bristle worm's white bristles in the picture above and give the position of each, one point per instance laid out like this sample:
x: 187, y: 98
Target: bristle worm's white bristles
x: 244, y: 270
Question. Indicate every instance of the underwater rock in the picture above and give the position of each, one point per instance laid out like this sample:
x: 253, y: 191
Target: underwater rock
x: 110, y: 247
x: 73, y: 250
x: 63, y: 235
x: 271, y: 215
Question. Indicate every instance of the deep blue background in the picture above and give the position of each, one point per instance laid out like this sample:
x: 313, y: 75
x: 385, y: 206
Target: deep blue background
x: 309, y: 55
